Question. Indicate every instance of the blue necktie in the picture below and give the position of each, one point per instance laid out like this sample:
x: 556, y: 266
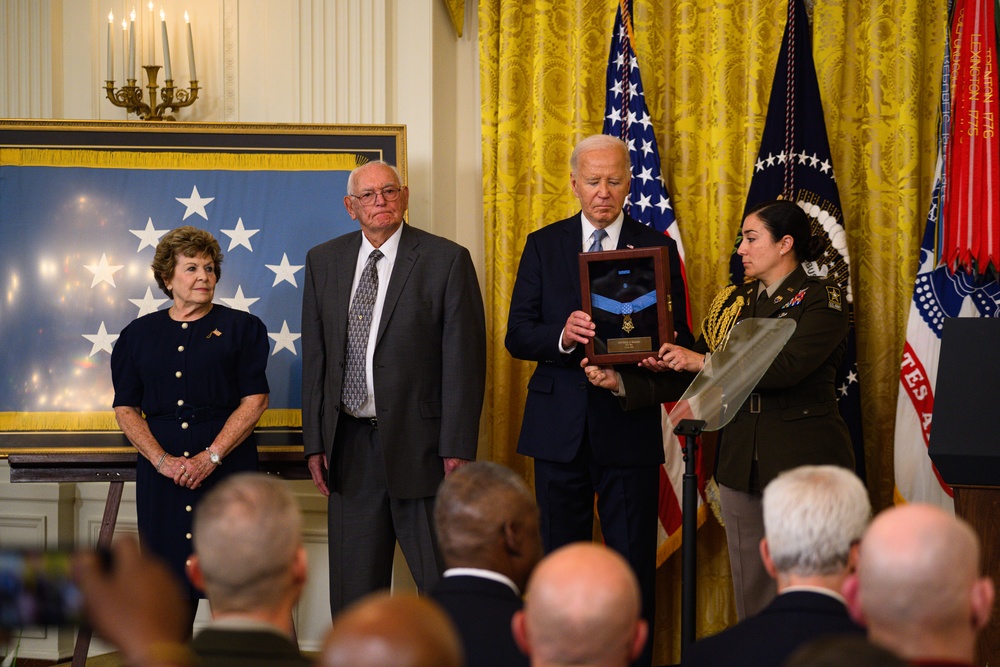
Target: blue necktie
x: 598, y: 236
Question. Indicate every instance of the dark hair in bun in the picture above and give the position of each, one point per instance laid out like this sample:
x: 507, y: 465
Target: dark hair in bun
x: 785, y: 218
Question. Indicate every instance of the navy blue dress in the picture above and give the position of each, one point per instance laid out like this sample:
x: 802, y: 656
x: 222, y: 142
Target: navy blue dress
x: 187, y: 378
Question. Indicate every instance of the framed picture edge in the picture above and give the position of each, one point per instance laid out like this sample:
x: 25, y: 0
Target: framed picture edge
x: 131, y: 135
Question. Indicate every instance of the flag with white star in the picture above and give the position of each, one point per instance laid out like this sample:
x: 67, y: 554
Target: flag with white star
x: 794, y: 163
x: 938, y: 293
x: 626, y: 116
x: 76, y: 245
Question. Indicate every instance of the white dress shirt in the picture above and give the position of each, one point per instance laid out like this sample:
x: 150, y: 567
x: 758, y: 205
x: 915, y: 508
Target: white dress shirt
x: 384, y: 266
x: 609, y: 242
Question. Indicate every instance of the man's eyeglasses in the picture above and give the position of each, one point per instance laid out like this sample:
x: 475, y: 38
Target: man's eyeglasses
x: 388, y: 194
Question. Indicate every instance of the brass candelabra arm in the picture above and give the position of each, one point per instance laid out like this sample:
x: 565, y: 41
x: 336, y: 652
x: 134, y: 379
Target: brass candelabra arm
x: 128, y: 97
x: 175, y: 98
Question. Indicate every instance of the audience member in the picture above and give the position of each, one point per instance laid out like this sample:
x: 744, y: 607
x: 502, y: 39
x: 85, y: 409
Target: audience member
x: 582, y: 609
x: 843, y: 651
x: 136, y: 604
x: 249, y: 559
x: 487, y: 530
x: 814, y: 517
x: 401, y: 631
x: 918, y: 587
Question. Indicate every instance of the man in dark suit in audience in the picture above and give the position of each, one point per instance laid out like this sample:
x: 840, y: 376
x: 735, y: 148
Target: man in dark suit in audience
x: 249, y: 559
x: 814, y: 517
x: 487, y: 528
x: 582, y: 440
x: 919, y: 586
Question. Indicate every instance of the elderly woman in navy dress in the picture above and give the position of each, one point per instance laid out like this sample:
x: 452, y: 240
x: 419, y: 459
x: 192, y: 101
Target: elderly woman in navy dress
x: 189, y: 388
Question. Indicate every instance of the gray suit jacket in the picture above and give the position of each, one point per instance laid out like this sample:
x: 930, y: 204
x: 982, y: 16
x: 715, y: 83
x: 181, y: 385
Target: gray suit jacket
x: 429, y: 359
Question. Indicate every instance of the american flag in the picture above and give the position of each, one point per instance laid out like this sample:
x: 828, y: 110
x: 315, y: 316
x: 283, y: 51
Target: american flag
x: 77, y: 236
x: 627, y: 117
x: 938, y: 293
x: 794, y: 163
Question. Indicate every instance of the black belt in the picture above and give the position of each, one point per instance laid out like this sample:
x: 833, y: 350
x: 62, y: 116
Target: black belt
x: 757, y: 403
x: 367, y: 421
x: 192, y: 414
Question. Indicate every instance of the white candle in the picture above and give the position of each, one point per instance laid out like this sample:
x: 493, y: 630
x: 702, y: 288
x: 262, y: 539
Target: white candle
x: 131, y: 47
x: 166, y: 48
x: 192, y: 73
x: 111, y: 49
x: 124, y: 46
x: 148, y: 31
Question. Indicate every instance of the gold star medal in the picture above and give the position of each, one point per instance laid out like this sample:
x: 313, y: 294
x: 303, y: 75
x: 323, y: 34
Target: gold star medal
x: 627, y: 325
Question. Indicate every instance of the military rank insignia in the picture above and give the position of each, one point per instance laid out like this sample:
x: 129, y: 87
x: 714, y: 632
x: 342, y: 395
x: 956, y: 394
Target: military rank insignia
x: 797, y: 299
x: 833, y: 296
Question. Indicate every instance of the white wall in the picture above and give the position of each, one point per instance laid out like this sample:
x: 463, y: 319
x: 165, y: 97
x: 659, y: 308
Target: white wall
x: 259, y: 61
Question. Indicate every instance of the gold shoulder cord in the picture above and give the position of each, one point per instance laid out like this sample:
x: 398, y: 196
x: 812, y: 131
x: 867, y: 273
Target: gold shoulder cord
x: 715, y: 328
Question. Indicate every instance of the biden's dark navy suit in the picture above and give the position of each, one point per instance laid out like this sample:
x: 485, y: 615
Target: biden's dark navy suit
x: 581, y: 438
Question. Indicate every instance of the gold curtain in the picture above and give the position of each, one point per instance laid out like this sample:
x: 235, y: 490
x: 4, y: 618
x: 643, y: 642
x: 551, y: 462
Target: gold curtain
x: 707, y: 67
x: 456, y: 12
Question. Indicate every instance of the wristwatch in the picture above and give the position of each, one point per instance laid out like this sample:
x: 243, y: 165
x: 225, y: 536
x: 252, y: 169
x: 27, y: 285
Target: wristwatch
x: 213, y: 457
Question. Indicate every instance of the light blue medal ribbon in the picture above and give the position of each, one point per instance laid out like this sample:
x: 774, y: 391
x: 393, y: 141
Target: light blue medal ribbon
x: 624, y: 309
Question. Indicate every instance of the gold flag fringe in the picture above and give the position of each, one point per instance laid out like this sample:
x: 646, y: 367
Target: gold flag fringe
x: 108, y: 159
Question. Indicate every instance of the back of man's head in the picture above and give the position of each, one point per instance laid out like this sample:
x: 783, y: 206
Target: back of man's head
x: 813, y: 516
x: 582, y: 608
x: 486, y: 517
x: 248, y: 544
x: 400, y: 630
x: 918, y: 587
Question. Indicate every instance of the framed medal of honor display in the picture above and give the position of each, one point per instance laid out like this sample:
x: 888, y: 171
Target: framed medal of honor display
x: 627, y: 295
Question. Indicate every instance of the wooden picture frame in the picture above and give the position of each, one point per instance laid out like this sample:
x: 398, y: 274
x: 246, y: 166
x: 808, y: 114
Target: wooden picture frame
x: 627, y: 295
x: 78, y: 198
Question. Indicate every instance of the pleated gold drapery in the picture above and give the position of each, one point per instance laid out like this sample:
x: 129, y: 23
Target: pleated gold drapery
x: 707, y: 67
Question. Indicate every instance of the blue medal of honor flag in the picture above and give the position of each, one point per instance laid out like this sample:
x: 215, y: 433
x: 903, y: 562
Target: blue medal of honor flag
x: 75, y: 250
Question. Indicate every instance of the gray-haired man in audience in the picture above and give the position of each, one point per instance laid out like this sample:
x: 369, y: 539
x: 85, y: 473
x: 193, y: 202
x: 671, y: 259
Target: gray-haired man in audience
x: 249, y: 559
x: 814, y: 517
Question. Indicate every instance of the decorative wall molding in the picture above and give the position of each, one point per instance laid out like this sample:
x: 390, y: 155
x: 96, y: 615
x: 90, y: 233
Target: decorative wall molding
x: 23, y: 530
x: 26, y: 65
x: 230, y: 61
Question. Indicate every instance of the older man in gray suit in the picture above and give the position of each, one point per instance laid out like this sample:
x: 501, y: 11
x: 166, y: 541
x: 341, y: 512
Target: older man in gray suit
x: 394, y: 367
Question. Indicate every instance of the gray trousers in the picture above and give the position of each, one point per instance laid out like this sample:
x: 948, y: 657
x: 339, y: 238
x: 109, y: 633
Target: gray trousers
x: 743, y: 513
x: 365, y: 521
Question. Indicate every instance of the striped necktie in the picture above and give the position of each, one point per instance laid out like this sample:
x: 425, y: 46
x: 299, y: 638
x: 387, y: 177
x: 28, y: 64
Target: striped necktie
x: 597, y: 237
x: 359, y: 324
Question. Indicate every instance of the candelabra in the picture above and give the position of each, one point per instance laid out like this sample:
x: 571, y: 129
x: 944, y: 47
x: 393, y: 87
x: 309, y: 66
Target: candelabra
x: 129, y: 96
